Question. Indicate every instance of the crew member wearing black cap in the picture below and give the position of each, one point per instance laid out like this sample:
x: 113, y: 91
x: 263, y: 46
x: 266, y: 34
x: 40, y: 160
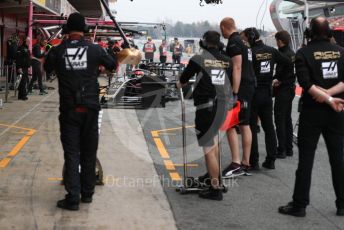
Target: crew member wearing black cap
x: 211, y: 98
x: 76, y: 63
x: 264, y: 60
x: 284, y: 91
x: 320, y: 72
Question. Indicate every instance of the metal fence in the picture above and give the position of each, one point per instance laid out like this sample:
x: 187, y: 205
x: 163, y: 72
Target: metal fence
x: 8, y: 78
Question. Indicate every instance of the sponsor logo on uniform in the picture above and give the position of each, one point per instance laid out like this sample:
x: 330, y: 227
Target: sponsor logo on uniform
x: 218, y: 76
x: 77, y: 58
x: 265, y: 67
x: 293, y: 58
x: 215, y: 64
x: 149, y: 46
x: 330, y: 70
x: 263, y: 57
x: 327, y: 55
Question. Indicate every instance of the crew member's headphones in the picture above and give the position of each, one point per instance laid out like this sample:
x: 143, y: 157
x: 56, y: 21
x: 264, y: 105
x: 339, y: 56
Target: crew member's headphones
x: 204, y: 45
x: 76, y: 22
x: 312, y: 30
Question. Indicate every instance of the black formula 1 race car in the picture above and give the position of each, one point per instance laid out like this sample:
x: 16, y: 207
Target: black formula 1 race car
x: 151, y: 85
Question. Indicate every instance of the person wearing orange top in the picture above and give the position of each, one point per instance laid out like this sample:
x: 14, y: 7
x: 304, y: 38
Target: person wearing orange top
x: 149, y: 49
x: 163, y: 51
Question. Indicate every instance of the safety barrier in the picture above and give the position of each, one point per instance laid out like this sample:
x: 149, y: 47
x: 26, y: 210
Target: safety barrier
x: 4, y: 84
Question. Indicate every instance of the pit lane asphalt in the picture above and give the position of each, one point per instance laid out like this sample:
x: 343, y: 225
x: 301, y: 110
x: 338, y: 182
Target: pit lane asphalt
x: 251, y: 202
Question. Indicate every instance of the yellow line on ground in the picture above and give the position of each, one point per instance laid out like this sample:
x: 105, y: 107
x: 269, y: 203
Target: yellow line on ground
x: 188, y: 165
x: 24, y: 132
x: 17, y: 127
x: 171, y: 134
x: 169, y: 165
x: 4, y: 162
x: 55, y: 179
x: 173, y: 129
x: 175, y: 176
x: 21, y: 144
x: 155, y: 133
x: 161, y: 148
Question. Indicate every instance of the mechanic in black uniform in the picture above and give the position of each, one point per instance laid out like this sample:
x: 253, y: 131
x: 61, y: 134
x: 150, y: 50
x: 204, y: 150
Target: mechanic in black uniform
x: 12, y: 48
x: 76, y: 63
x: 284, y: 92
x: 212, y: 100
x: 243, y: 83
x: 320, y: 72
x: 23, y: 61
x: 37, y: 55
x: 264, y: 60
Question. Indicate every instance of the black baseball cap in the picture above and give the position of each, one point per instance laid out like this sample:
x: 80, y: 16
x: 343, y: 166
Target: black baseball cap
x: 76, y: 22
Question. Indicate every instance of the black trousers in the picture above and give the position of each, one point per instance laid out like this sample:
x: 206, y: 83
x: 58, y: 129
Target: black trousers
x: 36, y: 75
x: 149, y: 57
x: 262, y: 108
x: 312, y: 124
x: 79, y: 137
x: 22, y: 88
x: 283, y: 121
x: 163, y: 59
x: 176, y: 59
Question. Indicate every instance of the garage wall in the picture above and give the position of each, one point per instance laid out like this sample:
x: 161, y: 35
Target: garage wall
x: 10, y: 24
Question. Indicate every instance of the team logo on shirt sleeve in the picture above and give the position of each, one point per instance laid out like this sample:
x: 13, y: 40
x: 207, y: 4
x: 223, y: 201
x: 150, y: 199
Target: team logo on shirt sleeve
x: 77, y: 58
x: 330, y: 70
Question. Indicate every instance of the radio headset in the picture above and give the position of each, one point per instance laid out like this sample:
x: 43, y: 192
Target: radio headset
x: 309, y: 31
x: 251, y: 36
x: 203, y: 43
